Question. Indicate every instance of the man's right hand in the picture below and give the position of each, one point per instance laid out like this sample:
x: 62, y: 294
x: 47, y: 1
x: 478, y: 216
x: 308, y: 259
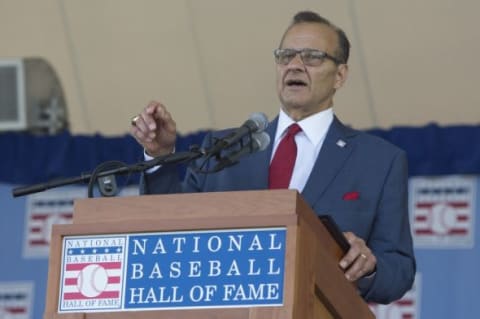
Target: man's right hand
x: 155, y: 130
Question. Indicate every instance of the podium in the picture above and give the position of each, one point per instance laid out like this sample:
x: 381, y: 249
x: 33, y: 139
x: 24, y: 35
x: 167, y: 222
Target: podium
x: 313, y: 285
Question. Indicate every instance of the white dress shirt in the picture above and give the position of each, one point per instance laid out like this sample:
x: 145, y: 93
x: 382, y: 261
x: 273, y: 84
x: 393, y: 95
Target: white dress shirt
x: 309, y: 142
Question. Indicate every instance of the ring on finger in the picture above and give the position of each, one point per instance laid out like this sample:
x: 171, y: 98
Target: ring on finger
x: 134, y: 120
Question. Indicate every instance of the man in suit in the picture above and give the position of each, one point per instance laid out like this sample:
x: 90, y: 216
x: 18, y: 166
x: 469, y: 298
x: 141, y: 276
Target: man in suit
x: 358, y: 179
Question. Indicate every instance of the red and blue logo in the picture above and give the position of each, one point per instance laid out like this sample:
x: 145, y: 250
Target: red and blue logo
x: 92, y: 273
x: 442, y: 211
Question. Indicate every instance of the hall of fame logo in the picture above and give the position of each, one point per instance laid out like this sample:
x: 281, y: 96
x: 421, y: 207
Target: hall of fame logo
x: 16, y: 300
x: 405, y: 308
x: 92, y: 271
x: 442, y: 211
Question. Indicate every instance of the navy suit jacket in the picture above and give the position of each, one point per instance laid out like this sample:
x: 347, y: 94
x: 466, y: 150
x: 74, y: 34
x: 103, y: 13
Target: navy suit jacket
x: 358, y: 179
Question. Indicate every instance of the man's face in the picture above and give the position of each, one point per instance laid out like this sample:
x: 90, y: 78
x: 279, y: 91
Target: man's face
x: 308, y: 89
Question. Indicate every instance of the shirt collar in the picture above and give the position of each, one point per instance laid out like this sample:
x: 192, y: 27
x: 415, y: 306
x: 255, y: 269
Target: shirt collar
x: 314, y: 127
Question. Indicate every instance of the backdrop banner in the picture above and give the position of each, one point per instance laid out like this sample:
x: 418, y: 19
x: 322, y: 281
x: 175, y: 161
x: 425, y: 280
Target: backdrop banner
x: 444, y: 167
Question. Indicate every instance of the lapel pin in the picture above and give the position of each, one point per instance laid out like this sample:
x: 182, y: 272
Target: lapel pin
x: 341, y: 143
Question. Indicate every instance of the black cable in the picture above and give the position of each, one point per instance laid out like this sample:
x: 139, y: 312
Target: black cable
x: 101, y: 168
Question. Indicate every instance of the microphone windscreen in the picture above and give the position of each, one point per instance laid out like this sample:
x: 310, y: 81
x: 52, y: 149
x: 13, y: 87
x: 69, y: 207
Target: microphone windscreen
x: 261, y: 140
x: 260, y: 119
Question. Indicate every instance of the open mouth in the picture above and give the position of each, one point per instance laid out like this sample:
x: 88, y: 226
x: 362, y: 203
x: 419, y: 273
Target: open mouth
x: 295, y: 83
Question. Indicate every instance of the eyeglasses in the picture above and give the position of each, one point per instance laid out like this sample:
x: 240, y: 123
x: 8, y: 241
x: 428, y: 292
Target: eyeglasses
x: 310, y: 57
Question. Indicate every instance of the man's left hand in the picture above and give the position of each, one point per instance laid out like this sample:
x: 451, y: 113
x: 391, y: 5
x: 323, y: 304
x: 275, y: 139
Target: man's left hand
x: 359, y: 261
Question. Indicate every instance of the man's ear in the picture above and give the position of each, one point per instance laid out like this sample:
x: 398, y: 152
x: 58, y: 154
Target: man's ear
x: 341, y: 75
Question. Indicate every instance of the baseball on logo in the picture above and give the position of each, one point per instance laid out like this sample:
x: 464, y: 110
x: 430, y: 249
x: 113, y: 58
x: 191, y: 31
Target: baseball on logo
x: 92, y: 280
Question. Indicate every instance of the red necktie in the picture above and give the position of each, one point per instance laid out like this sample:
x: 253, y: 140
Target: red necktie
x: 281, y: 167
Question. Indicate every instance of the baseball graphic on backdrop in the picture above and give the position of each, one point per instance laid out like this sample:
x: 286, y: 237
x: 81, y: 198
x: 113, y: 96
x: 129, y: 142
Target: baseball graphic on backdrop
x: 92, y: 280
x: 443, y: 218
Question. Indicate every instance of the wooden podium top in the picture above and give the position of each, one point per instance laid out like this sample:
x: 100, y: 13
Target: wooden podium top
x: 244, y: 204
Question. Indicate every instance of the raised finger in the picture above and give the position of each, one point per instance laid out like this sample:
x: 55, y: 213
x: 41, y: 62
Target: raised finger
x: 152, y: 113
x: 168, y: 122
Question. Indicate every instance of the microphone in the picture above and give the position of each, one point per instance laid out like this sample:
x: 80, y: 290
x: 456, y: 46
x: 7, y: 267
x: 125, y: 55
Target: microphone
x: 258, y: 142
x: 257, y: 122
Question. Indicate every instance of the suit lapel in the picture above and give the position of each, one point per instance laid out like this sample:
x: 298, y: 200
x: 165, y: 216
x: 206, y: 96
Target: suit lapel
x: 336, y: 148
